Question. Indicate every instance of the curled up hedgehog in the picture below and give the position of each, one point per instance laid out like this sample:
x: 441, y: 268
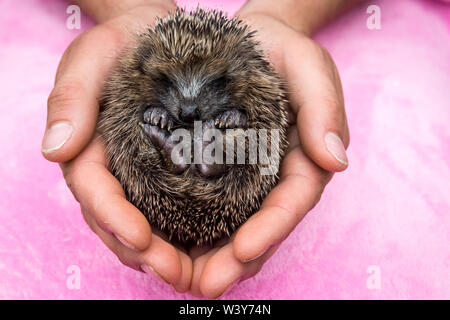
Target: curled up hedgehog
x: 193, y: 73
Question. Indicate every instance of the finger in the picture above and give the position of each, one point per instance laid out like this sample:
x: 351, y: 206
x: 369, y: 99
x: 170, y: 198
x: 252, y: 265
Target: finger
x: 110, y: 241
x: 316, y: 97
x: 101, y: 194
x: 223, y: 271
x: 160, y: 260
x: 300, y: 188
x: 163, y: 260
x: 184, y: 283
x: 200, y: 257
x: 73, y: 103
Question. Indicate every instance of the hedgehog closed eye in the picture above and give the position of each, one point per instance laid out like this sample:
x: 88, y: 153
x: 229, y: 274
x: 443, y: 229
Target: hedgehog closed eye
x: 231, y: 119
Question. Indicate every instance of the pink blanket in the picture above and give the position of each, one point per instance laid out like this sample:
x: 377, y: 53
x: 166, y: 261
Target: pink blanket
x: 381, y: 230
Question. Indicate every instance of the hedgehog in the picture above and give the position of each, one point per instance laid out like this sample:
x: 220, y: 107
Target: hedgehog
x: 197, y: 67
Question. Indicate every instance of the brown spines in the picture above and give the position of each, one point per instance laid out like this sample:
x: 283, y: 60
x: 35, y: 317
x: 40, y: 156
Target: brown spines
x: 190, y: 208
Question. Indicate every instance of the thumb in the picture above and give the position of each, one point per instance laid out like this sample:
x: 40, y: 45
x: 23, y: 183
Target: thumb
x: 317, y: 100
x: 72, y: 106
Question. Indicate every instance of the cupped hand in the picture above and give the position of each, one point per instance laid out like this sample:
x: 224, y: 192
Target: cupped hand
x: 317, y: 141
x: 317, y: 138
x: 70, y: 140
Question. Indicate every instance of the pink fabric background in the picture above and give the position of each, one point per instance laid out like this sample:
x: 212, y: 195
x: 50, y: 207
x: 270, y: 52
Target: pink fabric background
x: 391, y: 208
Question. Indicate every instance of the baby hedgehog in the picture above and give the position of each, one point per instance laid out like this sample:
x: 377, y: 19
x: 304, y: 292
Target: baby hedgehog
x: 197, y: 67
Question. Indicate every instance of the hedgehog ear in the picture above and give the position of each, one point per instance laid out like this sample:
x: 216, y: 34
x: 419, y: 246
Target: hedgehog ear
x: 163, y: 79
x: 140, y: 64
x: 141, y: 58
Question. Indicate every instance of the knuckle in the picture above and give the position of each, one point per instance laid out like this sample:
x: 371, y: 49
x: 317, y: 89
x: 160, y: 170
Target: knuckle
x: 63, y: 95
x: 333, y: 104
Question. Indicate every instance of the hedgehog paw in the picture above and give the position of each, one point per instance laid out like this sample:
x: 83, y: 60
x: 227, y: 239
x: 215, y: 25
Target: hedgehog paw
x: 231, y: 119
x: 159, y: 117
x: 210, y: 170
x: 162, y: 139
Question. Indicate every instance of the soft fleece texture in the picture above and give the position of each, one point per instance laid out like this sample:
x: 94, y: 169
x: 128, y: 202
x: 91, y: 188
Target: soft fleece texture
x: 390, y: 209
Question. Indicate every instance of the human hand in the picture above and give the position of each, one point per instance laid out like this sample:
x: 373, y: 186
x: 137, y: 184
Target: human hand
x: 70, y: 140
x: 317, y: 141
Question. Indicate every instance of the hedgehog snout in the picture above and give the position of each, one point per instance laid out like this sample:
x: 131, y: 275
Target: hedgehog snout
x: 189, y: 113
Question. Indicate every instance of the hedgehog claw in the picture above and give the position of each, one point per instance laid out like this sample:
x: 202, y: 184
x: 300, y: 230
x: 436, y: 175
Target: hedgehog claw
x: 156, y: 116
x: 162, y: 139
x: 231, y: 119
x: 163, y: 122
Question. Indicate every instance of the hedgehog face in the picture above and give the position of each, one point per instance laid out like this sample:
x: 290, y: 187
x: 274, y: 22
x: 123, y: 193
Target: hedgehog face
x: 192, y: 97
x: 183, y: 102
x: 183, y: 93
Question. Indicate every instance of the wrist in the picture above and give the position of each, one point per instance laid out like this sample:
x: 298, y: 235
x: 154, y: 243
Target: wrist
x: 289, y: 12
x: 305, y: 16
x: 103, y: 10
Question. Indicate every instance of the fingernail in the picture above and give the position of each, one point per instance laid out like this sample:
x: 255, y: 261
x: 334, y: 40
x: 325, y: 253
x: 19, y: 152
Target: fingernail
x: 124, y: 242
x: 258, y: 256
x: 56, y: 136
x: 149, y: 270
x: 336, y: 147
x: 261, y: 254
x: 230, y: 287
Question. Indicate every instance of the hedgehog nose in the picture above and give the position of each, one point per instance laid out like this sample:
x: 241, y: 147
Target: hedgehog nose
x: 189, y: 113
